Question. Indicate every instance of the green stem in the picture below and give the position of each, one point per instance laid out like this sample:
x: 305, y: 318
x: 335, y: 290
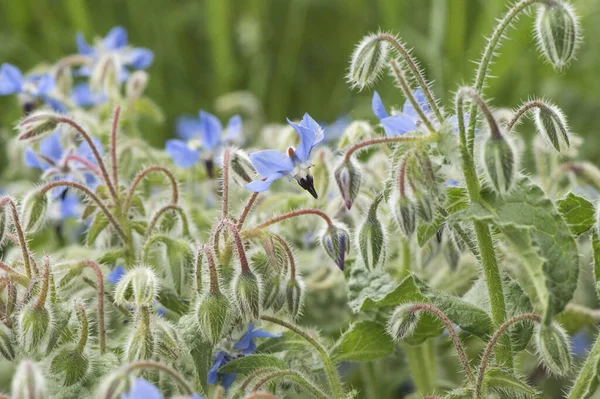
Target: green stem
x: 583, y: 387
x: 421, y: 362
x: 328, y: 366
x: 294, y: 377
x: 169, y: 207
x: 150, y: 364
x: 84, y: 327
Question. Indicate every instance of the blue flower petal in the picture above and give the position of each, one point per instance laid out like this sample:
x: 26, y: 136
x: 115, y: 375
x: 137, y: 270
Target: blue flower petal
x: 11, y: 79
x: 410, y: 111
x: 227, y: 380
x: 140, y: 58
x: 69, y: 207
x: 398, y: 124
x: 188, y: 128
x: 82, y: 96
x: 115, y: 39
x: 86, y: 152
x: 32, y: 160
x: 258, y: 186
x: 50, y: 147
x: 45, y: 84
x: 233, y: 129
x: 309, y: 123
x: 116, y: 274
x: 143, y: 389
x: 378, y: 107
x: 182, y: 155
x: 269, y: 162
x: 308, y: 138
x: 211, y: 130
x: 220, y: 359
x: 82, y: 46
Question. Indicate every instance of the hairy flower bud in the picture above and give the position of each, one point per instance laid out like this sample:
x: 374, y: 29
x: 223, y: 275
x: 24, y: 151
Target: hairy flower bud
x: 141, y: 341
x: 35, y: 207
x: 246, y: 293
x: 405, y: 214
x: 371, y: 237
x: 368, y: 61
x: 241, y: 168
x: 336, y: 241
x: 499, y: 163
x: 28, y: 382
x: 7, y: 343
x: 70, y: 364
x: 34, y: 326
x: 348, y: 177
x: 356, y: 132
x: 180, y: 260
x: 37, y: 125
x: 138, y: 287
x: 551, y: 123
x: 402, y: 322
x: 136, y: 84
x: 272, y: 293
x: 553, y: 347
x: 214, y: 312
x: 558, y: 33
x: 424, y: 206
x: 294, y: 296
x: 167, y: 339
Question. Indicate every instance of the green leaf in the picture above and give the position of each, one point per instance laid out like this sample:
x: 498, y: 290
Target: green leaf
x: 503, y: 382
x: 98, y: 225
x: 517, y: 302
x: 139, y: 226
x: 247, y: 364
x: 362, y: 342
x: 540, y: 237
x: 289, y: 341
x: 578, y: 212
x: 427, y: 230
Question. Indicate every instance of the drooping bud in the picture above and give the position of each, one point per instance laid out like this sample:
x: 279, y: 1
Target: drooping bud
x: 368, y: 61
x: 180, y: 259
x: 28, y: 382
x: 34, y: 326
x: 553, y: 347
x: 451, y: 250
x: 167, y: 339
x: 420, y: 171
x: 356, y: 132
x: 272, y: 293
x: 336, y: 241
x: 241, y: 167
x: 371, y: 237
x: 246, y: 292
x: 348, y: 177
x: 136, y: 84
x: 105, y: 75
x: 70, y: 365
x: 403, y: 322
x: 424, y: 206
x: 214, y: 312
x: 35, y: 207
x: 558, y: 33
x: 138, y: 287
x: 37, y: 125
x: 294, y: 296
x: 141, y: 341
x: 7, y: 343
x: 551, y: 123
x: 405, y: 214
x: 499, y: 163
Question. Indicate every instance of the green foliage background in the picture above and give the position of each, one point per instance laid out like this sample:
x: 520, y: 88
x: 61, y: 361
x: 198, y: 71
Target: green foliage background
x: 293, y: 54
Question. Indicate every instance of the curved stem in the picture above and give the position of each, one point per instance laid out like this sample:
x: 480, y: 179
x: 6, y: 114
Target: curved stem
x: 405, y: 87
x: 290, y: 255
x: 140, y: 176
x: 238, y: 244
x: 412, y: 64
x: 100, y: 288
x: 15, y: 275
x: 212, y: 270
x: 388, y: 140
x: 246, y: 210
x: 253, y: 375
x: 20, y: 234
x: 225, y: 189
x: 170, y: 207
x: 89, y: 166
x: 113, y: 146
x: 487, y: 353
x: 328, y: 366
x: 293, y: 214
x: 84, y: 327
x: 522, y: 111
x: 294, y: 377
x: 480, y: 102
x: 151, y: 364
x: 45, y: 282
x: 99, y: 161
x: 451, y: 331
x: 91, y: 196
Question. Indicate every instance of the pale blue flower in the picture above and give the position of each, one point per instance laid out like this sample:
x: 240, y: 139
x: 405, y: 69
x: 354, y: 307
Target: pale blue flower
x: 116, y: 274
x: 142, y: 389
x: 83, y: 96
x: 31, y: 87
x: 273, y: 164
x: 401, y: 123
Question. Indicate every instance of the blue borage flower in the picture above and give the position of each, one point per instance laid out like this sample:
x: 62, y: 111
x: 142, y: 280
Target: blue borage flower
x: 245, y: 345
x: 273, y: 164
x: 202, y: 138
x: 32, y: 88
x: 115, y: 43
x: 83, y: 96
x: 116, y: 274
x: 143, y: 389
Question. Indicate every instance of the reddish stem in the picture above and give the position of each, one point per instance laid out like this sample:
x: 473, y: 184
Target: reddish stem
x: 238, y: 244
x: 225, y: 199
x: 22, y: 241
x: 113, y: 146
x: 140, y: 176
x: 86, y: 163
x: 247, y: 210
x: 212, y: 270
x: 101, y: 326
x: 293, y: 214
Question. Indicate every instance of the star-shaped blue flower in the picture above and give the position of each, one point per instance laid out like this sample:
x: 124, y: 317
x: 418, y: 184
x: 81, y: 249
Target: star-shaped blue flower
x: 246, y: 346
x: 32, y: 88
x: 83, y: 96
x: 143, y: 389
x: 401, y: 123
x: 201, y: 138
x: 273, y: 164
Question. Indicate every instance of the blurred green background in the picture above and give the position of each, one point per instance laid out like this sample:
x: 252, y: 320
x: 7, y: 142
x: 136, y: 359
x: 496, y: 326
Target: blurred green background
x: 293, y: 54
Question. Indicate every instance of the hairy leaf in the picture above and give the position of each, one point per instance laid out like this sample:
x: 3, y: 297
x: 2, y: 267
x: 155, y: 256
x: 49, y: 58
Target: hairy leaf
x: 578, y: 212
x: 362, y: 342
x: 507, y: 385
x: 247, y: 364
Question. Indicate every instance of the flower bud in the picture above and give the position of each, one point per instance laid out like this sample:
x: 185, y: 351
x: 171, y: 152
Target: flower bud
x: 451, y: 250
x: 420, y: 171
x: 138, y: 287
x: 35, y: 207
x: 499, y: 163
x: 272, y: 293
x: 105, y: 75
x: 34, y: 326
x: 70, y: 364
x: 28, y: 382
x: 37, y: 125
x: 214, y: 312
x: 403, y: 322
x: 336, y: 241
x: 405, y: 214
x: 558, y: 33
x: 371, y: 237
x: 356, y: 132
x: 553, y: 347
x: 551, y: 123
x: 141, y: 340
x: 167, y: 340
x: 247, y: 295
x: 241, y: 168
x: 424, y: 206
x: 180, y: 260
x: 136, y: 84
x: 348, y: 176
x: 368, y: 61
x: 7, y: 343
x: 294, y: 296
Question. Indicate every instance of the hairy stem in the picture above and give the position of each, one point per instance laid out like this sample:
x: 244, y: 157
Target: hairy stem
x: 293, y: 214
x: 141, y: 175
x: 20, y: 234
x: 101, y: 326
x: 294, y: 377
x: 212, y: 270
x: 587, y: 374
x: 83, y: 338
x: 113, y: 146
x: 150, y: 364
x: 388, y: 140
x: 239, y: 245
x: 45, y: 283
x: 247, y: 210
x: 169, y: 207
x: 523, y: 109
x: 225, y: 187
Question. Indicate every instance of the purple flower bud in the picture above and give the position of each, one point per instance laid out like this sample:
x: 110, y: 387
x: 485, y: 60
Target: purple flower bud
x: 348, y: 177
x: 336, y: 241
